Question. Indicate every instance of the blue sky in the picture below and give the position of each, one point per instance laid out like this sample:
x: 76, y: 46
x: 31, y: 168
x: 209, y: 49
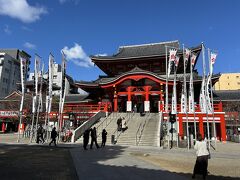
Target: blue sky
x: 89, y: 27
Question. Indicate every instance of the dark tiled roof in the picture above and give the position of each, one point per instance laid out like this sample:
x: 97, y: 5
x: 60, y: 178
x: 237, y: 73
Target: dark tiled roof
x: 157, y: 49
x: 138, y: 70
x: 71, y: 98
x: 227, y: 95
x: 145, y: 49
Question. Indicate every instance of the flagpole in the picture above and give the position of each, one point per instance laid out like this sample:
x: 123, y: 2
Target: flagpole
x: 34, y: 97
x: 166, y: 104
x: 23, y: 66
x: 37, y: 94
x: 205, y: 93
x: 174, y: 92
x: 214, y: 123
x: 185, y: 94
x: 49, y: 97
x: 40, y: 96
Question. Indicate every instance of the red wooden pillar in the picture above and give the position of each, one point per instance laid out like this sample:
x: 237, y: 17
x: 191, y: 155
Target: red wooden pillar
x: 129, y: 93
x: 146, y: 88
x: 180, y: 122
x: 115, y: 101
x: 201, y: 131
x: 223, y: 127
x: 161, y: 97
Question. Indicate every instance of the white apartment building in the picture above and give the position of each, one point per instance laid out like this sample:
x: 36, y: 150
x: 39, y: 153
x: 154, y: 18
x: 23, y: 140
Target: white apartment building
x: 10, y: 70
x: 56, y: 79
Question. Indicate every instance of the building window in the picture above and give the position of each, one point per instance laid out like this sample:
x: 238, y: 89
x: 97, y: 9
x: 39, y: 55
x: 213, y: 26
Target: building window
x: 55, y: 77
x: 7, y: 70
x: 228, y: 77
x: 237, y: 77
x: 238, y: 83
x: 228, y: 83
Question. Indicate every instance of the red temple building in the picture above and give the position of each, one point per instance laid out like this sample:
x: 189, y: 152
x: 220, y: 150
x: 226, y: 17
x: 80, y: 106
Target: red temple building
x: 135, y: 80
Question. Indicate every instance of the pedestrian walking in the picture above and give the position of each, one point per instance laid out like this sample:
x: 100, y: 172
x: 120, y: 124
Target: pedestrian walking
x: 104, y: 137
x: 85, y: 139
x: 53, y: 136
x: 94, y: 138
x: 201, y: 164
x: 40, y: 133
x: 124, y: 125
x: 135, y: 108
x: 119, y: 124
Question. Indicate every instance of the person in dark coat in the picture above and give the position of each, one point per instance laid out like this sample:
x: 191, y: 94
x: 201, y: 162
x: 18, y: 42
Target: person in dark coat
x: 40, y: 133
x: 85, y: 139
x: 104, y: 137
x: 53, y: 136
x: 94, y: 138
x: 119, y: 124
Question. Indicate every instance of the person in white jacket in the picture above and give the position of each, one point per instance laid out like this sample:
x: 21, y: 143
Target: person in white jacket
x: 202, y: 152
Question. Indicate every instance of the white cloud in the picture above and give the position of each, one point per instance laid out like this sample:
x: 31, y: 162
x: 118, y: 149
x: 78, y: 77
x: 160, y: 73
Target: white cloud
x: 64, y: 1
x: 25, y: 28
x: 104, y: 54
x: 7, y: 29
x: 77, y: 55
x: 20, y: 9
x: 29, y: 45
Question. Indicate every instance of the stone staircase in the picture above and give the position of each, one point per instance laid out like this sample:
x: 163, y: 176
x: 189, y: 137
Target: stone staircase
x: 109, y: 123
x: 128, y: 137
x: 149, y: 136
x: 150, y: 132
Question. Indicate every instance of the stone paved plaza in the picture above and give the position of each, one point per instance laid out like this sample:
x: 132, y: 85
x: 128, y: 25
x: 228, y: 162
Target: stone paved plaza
x: 70, y: 161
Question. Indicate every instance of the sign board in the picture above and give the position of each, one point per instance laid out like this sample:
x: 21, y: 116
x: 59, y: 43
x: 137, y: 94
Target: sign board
x: 146, y: 106
x: 129, y: 106
x: 9, y: 114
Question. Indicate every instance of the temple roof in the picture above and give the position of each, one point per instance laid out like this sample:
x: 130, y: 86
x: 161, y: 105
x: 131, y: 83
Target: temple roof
x: 76, y: 98
x: 143, y: 50
x: 227, y: 95
x: 137, y: 71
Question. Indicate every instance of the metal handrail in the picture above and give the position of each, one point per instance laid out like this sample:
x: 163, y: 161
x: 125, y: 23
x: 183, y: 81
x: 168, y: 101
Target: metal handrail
x: 140, y: 131
x: 107, y: 123
x: 86, y: 125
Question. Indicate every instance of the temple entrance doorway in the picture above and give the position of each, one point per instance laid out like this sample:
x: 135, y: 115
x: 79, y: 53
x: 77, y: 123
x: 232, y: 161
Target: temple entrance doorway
x: 138, y: 100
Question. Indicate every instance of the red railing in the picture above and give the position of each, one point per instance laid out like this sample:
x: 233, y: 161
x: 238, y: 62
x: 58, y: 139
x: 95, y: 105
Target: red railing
x: 217, y: 107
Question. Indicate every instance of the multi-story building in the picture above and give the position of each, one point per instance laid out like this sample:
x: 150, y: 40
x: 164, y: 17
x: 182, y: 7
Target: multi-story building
x: 228, y: 81
x: 10, y: 70
x: 57, y: 71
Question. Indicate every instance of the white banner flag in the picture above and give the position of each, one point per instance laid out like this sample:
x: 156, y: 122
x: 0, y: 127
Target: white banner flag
x: 202, y: 97
x: 34, y: 104
x: 176, y: 61
x: 193, y: 59
x: 191, y: 103
x: 50, y: 79
x: 36, y: 72
x: 213, y: 57
x: 208, y: 100
x: 187, y: 55
x: 172, y: 57
x: 23, y: 65
x: 174, y: 96
x: 183, y: 102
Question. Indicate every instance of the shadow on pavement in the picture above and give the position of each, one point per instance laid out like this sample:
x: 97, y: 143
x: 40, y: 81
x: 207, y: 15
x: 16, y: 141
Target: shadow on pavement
x: 35, y: 162
x: 112, y: 163
x: 30, y: 162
